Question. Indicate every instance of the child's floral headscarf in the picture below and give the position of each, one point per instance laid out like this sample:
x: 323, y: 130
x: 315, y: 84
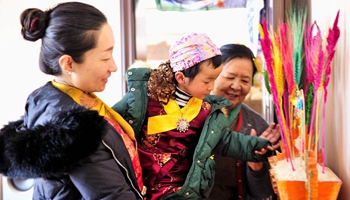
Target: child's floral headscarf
x: 190, y: 50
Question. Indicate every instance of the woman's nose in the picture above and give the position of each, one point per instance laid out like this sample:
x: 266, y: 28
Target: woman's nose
x: 235, y: 85
x: 113, y: 67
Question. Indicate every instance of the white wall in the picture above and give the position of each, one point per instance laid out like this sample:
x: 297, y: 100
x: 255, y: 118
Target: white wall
x: 337, y: 109
x: 19, y: 69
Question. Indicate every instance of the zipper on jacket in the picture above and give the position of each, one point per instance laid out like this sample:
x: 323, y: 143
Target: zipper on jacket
x: 127, y: 172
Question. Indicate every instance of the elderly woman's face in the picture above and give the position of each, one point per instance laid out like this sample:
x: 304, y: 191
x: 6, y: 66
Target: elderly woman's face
x: 235, y: 80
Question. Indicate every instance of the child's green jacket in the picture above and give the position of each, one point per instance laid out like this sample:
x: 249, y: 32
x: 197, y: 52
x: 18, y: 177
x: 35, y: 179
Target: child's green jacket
x: 215, y: 136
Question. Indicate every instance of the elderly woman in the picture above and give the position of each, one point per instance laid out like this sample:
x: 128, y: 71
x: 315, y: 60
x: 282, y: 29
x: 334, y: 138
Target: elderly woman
x: 236, y: 179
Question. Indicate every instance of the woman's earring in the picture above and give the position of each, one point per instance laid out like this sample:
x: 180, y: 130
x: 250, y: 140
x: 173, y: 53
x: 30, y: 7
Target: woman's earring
x: 69, y: 73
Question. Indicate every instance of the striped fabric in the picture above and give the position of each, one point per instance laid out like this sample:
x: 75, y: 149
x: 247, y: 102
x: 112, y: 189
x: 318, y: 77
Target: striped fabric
x: 181, y: 97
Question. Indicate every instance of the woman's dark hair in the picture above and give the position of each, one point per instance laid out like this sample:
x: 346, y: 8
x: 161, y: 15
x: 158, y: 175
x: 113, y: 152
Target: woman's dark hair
x: 231, y: 51
x: 69, y: 28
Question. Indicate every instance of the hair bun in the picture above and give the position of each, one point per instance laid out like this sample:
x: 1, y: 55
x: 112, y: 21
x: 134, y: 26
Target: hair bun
x: 33, y: 23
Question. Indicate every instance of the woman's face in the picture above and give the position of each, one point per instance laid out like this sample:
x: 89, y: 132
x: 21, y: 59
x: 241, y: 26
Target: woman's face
x: 235, y: 80
x: 92, y: 75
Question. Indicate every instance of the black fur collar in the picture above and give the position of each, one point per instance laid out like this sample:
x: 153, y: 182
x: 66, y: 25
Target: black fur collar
x: 52, y: 148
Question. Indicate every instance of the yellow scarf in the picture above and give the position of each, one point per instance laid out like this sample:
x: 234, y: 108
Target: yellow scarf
x: 92, y: 102
x: 163, y: 123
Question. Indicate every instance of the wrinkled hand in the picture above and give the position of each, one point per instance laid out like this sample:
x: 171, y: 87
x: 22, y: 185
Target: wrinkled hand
x: 272, y: 133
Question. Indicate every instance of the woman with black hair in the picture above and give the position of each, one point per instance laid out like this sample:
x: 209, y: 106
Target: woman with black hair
x: 71, y: 142
x: 236, y: 179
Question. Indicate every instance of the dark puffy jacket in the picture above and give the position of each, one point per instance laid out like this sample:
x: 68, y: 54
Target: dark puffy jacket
x: 215, y: 136
x: 72, y: 152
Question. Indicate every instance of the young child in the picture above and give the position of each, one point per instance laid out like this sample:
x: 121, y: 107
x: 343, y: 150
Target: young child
x: 179, y: 125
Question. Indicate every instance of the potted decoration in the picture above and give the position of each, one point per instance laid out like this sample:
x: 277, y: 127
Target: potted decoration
x: 297, y: 74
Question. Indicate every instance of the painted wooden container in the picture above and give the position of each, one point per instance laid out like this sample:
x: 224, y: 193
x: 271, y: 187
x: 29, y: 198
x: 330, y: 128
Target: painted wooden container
x: 307, y: 181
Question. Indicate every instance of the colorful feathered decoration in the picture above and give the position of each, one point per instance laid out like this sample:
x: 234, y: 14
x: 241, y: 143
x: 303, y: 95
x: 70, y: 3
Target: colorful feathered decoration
x: 318, y: 62
x: 297, y: 21
x: 271, y: 46
x: 287, y: 56
x: 284, y: 52
x: 332, y: 39
x: 308, y: 103
x: 298, y: 69
x: 314, y: 68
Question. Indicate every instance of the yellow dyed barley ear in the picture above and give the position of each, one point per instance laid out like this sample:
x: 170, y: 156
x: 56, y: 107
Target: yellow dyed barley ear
x: 257, y: 65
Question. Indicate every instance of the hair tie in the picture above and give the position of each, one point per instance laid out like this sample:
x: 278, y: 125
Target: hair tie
x: 34, y: 24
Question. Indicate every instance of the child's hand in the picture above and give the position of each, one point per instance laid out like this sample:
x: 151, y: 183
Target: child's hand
x: 256, y: 166
x: 272, y: 133
x: 262, y: 151
x: 268, y: 133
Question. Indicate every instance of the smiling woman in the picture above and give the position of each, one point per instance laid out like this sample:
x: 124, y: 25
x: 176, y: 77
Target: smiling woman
x: 236, y: 179
x: 72, y: 143
x: 92, y: 73
x: 26, y: 57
